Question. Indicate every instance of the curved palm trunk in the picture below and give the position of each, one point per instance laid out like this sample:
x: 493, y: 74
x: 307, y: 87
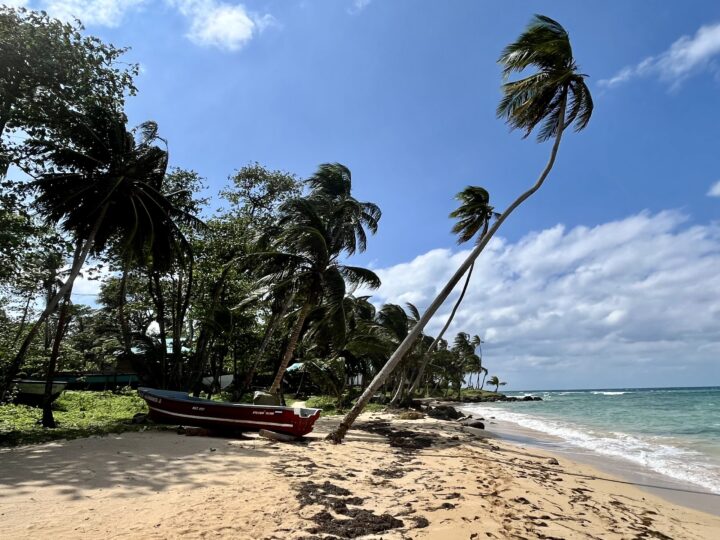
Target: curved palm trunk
x: 207, y: 333
x: 339, y: 433
x: 398, y: 392
x: 23, y: 320
x: 157, y: 295
x: 483, y: 381
x: 48, y: 421
x: 294, y: 337
x: 269, y: 332
x: 434, y: 344
x: 122, y: 301
x: 14, y: 366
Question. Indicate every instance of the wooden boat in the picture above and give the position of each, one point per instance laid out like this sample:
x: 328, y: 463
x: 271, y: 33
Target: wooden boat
x: 32, y: 391
x: 171, y: 407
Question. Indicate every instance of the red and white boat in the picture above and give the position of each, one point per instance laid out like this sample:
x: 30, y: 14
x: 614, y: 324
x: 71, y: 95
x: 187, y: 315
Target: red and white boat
x: 169, y: 407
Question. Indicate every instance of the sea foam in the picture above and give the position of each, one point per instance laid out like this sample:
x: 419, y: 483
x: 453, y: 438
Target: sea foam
x: 656, y: 453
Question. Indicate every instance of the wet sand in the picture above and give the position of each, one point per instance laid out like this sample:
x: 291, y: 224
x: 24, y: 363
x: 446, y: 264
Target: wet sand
x: 390, y: 479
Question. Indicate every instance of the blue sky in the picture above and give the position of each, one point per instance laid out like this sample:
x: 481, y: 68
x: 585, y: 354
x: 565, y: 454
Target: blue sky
x: 404, y: 92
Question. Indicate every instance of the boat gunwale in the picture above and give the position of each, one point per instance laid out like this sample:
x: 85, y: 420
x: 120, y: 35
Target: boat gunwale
x: 186, y: 398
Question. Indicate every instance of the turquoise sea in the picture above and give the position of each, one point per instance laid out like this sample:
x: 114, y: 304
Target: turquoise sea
x: 673, y: 432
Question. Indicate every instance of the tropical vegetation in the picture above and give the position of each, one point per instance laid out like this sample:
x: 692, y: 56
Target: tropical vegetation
x: 262, y: 289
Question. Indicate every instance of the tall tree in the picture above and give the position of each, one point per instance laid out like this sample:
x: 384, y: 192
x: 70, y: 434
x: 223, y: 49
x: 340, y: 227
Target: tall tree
x: 552, y: 99
x: 48, y: 70
x: 100, y: 186
x: 474, y: 215
x: 309, y: 261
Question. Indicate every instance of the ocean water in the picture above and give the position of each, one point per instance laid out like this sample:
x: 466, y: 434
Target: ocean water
x: 674, y: 432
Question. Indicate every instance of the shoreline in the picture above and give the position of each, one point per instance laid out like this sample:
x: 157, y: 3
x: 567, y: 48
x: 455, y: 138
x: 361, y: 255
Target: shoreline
x: 671, y: 489
x: 395, y: 478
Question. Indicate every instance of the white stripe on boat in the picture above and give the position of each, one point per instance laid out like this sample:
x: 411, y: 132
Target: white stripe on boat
x: 220, y: 419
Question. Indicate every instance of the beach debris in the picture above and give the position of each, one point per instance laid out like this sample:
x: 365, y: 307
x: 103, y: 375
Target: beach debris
x: 553, y: 461
x: 400, y: 438
x: 411, y: 415
x: 473, y: 423
x: 338, y: 518
x: 444, y: 412
x: 274, y: 436
x: 420, y: 522
x: 360, y: 523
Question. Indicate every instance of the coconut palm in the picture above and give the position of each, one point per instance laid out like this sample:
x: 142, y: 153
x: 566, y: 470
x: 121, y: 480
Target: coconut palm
x: 552, y: 99
x: 308, y: 259
x: 495, y: 382
x: 474, y: 215
x: 105, y: 188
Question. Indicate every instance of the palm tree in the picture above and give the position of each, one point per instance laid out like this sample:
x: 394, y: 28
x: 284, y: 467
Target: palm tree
x: 495, y: 381
x: 474, y: 214
x: 109, y: 189
x: 553, y: 98
x: 308, y: 259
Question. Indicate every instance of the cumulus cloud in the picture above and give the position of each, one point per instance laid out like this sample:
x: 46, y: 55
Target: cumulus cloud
x: 92, y: 12
x: 635, y: 301
x: 714, y: 190
x: 218, y: 24
x: 213, y: 23
x: 687, y: 56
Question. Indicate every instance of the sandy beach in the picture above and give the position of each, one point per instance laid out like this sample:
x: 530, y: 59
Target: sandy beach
x: 391, y: 479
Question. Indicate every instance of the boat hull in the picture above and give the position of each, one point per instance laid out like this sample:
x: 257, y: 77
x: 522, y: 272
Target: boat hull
x: 169, y: 407
x: 31, y: 392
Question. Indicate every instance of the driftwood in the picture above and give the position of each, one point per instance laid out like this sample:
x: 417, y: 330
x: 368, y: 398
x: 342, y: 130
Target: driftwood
x: 273, y: 436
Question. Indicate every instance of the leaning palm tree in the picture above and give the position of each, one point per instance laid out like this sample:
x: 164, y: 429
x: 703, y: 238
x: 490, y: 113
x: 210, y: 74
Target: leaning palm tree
x: 308, y: 262
x: 105, y: 188
x: 551, y: 99
x: 474, y: 215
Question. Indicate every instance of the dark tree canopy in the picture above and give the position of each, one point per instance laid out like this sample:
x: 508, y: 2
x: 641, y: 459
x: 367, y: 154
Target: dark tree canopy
x: 48, y: 69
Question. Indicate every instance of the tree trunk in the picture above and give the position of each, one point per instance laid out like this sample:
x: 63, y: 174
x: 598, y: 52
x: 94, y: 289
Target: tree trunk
x: 398, y: 392
x: 183, y: 304
x: 434, y: 344
x: 159, y: 298
x: 23, y: 320
x: 48, y: 421
x: 294, y: 337
x: 257, y: 357
x: 17, y: 361
x: 339, y: 433
x: 122, y: 300
x: 205, y: 336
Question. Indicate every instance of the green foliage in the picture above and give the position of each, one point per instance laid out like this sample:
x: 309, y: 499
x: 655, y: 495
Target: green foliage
x: 78, y: 414
x: 556, y: 92
x: 329, y: 407
x: 48, y: 69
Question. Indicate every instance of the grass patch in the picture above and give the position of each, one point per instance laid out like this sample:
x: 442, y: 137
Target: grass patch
x: 78, y: 414
x: 328, y: 404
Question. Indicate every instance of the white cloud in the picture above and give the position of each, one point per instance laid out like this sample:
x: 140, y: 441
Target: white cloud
x: 630, y: 302
x: 213, y: 23
x: 91, y: 12
x: 688, y: 55
x: 218, y: 24
x: 15, y: 3
x: 358, y: 5
x: 714, y: 190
